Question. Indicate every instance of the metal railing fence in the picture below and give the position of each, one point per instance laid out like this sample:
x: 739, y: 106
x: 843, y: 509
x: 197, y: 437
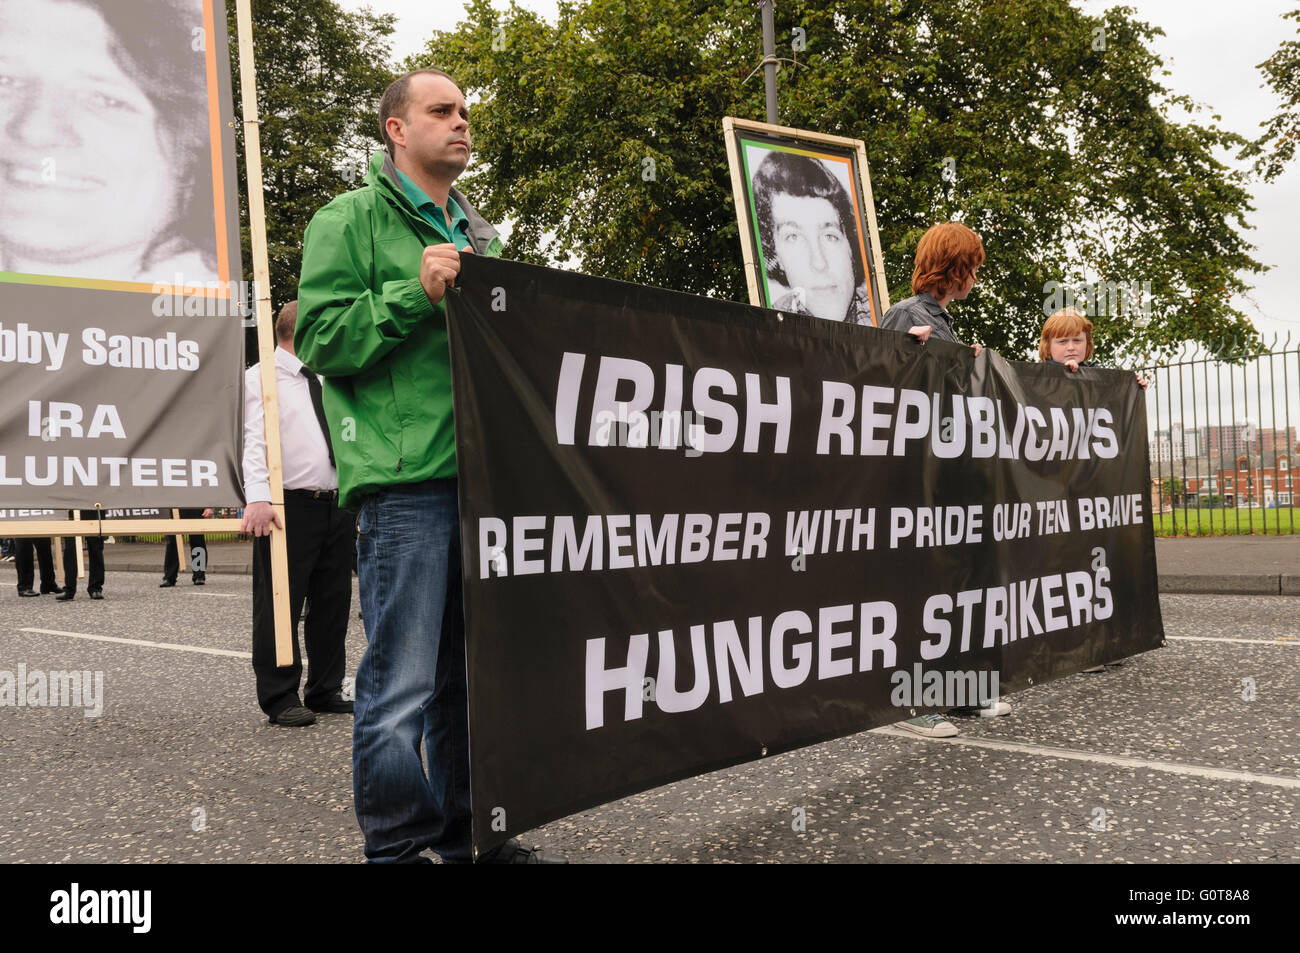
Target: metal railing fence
x: 1222, y: 437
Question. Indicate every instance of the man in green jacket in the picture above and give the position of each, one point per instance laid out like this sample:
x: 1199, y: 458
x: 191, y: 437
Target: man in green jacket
x: 376, y: 264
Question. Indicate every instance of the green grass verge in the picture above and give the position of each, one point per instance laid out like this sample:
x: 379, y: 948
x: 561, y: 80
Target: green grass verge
x: 1227, y: 522
x: 160, y: 538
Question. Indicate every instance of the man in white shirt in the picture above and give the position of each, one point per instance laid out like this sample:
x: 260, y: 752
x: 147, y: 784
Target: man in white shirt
x: 321, y: 539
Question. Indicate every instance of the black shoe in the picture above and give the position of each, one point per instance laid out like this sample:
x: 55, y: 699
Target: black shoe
x: 295, y: 716
x: 65, y: 596
x: 511, y: 852
x: 336, y: 704
x: 55, y: 591
x: 166, y: 583
x: 200, y: 579
x: 28, y: 593
x: 96, y: 594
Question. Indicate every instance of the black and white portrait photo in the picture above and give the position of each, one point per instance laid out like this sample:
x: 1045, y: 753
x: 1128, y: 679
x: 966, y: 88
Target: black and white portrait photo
x: 809, y: 236
x: 105, y: 153
x: 810, y: 241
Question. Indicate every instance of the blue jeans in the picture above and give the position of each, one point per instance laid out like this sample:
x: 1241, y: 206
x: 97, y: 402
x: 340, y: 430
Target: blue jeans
x: 410, y: 687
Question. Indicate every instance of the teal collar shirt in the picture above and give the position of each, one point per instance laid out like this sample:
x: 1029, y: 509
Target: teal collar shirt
x: 458, y: 233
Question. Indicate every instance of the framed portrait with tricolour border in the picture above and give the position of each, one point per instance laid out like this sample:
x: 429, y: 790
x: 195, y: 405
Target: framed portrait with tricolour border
x: 807, y: 222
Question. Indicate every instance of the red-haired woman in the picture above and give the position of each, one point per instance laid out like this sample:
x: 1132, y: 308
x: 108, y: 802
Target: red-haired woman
x: 948, y: 259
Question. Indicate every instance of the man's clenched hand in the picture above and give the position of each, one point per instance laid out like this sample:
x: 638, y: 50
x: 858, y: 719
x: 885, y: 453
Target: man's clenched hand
x: 438, y: 270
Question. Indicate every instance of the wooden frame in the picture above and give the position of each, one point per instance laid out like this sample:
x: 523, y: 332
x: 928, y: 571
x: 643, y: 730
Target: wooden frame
x: 266, y: 354
x: 739, y: 132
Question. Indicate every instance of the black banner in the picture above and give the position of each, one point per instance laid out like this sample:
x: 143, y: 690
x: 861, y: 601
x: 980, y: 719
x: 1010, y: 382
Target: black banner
x: 697, y: 533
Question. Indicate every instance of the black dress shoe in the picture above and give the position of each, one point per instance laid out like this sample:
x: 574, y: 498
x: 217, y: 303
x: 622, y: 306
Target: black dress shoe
x: 55, y: 591
x: 65, y: 596
x: 96, y: 594
x: 166, y: 583
x: 295, y: 716
x: 336, y: 704
x: 512, y: 852
x: 28, y: 593
x: 200, y: 579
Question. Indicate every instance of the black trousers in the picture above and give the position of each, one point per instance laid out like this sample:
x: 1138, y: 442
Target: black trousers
x: 321, y: 539
x: 172, y: 563
x: 44, y: 554
x: 95, y: 551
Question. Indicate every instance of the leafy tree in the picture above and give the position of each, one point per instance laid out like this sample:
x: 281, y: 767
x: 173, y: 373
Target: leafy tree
x: 1066, y: 162
x: 1276, y: 147
x: 320, y: 73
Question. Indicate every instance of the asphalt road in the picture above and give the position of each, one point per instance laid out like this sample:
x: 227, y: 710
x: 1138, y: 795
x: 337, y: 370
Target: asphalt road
x: 1161, y: 759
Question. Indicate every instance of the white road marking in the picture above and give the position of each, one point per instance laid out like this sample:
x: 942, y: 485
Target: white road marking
x: 142, y: 642
x: 1220, y: 638
x: 1119, y: 761
x: 226, y: 595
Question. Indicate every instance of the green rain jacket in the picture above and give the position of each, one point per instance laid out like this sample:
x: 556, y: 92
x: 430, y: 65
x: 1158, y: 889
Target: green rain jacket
x: 366, y: 325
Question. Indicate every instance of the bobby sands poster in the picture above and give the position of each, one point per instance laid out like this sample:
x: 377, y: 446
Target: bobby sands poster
x: 697, y: 533
x: 121, y: 294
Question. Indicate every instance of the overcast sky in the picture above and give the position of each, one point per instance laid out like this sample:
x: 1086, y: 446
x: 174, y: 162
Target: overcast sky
x: 1211, y: 49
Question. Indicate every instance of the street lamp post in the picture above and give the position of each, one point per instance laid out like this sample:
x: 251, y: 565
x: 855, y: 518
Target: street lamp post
x: 769, y: 57
x: 1247, y: 437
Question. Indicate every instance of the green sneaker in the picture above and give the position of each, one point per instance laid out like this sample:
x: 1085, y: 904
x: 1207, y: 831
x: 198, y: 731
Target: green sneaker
x: 931, y: 726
